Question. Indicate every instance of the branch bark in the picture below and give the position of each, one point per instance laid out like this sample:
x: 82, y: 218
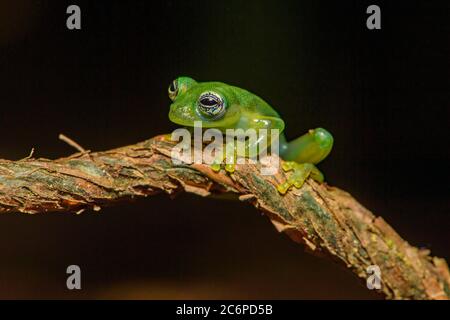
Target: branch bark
x: 327, y: 220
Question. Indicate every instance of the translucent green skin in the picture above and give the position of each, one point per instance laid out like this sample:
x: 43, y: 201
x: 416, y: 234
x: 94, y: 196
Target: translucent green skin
x: 245, y: 110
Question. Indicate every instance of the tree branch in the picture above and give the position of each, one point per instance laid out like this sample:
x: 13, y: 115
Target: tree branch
x: 326, y: 219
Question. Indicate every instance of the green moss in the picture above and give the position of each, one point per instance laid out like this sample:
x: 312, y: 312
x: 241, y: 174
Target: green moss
x: 447, y: 289
x: 87, y: 167
x: 329, y: 229
x: 267, y: 191
x: 390, y: 244
x: 314, y: 207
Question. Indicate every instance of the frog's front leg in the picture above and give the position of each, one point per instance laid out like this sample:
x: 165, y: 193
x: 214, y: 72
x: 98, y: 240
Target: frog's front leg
x: 226, y: 155
x: 302, y: 154
x: 241, y: 147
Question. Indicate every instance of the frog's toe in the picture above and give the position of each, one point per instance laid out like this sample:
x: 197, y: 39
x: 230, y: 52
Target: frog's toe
x: 300, y: 172
x: 230, y: 167
x: 228, y: 163
x: 215, y: 167
x: 288, y: 165
x: 283, y: 187
x: 299, y: 183
x: 217, y: 162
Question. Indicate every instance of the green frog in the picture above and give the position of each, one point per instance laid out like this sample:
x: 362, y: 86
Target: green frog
x: 222, y: 106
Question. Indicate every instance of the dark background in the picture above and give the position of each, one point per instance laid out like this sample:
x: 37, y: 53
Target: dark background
x: 382, y: 93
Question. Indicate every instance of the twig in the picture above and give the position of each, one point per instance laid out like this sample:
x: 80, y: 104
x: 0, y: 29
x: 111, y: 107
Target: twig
x: 71, y: 143
x: 30, y: 155
x: 326, y: 220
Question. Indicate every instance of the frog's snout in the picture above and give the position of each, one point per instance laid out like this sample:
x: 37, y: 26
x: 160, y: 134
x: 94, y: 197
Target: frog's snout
x: 174, y: 114
x: 181, y: 114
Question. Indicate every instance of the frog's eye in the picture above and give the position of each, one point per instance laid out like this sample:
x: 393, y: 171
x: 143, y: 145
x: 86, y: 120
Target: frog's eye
x: 173, y: 90
x: 211, y: 105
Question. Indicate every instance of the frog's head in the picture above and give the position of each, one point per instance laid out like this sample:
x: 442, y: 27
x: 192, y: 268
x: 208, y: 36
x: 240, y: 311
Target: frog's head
x: 213, y: 103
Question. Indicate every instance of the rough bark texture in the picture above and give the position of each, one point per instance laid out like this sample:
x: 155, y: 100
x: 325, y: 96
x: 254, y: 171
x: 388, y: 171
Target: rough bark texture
x: 326, y: 219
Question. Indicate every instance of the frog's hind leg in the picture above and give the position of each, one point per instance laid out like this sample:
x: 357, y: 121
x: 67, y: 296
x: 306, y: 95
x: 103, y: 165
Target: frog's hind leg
x: 311, y: 147
x: 302, y: 154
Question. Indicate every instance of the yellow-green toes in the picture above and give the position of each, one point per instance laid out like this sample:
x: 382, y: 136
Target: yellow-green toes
x: 215, y: 166
x: 229, y: 165
x: 300, y: 172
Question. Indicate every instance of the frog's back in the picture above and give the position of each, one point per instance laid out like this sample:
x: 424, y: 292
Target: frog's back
x: 251, y: 103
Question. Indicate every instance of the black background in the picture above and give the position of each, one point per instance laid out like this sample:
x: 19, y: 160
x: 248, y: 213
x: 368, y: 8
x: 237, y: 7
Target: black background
x: 382, y: 93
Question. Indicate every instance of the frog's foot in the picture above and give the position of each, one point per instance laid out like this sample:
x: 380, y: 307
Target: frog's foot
x: 300, y: 172
x: 229, y: 162
x: 230, y: 167
x: 216, y: 166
